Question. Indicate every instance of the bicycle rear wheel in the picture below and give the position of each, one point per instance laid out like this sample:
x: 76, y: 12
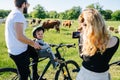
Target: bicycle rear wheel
x: 67, y: 71
x: 8, y: 74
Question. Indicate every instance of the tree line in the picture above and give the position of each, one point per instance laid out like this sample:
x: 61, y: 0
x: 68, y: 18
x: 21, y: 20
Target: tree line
x: 73, y: 13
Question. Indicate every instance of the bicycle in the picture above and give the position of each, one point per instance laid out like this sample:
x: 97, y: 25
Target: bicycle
x: 67, y: 69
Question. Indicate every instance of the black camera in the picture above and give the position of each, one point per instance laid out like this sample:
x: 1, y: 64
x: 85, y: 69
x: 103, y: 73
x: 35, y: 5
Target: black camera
x: 76, y: 34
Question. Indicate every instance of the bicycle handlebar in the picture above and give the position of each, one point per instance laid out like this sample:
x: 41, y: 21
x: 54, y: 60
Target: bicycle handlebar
x: 62, y: 45
x: 116, y: 62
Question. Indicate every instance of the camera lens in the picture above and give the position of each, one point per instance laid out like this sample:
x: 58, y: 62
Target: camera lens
x: 76, y: 34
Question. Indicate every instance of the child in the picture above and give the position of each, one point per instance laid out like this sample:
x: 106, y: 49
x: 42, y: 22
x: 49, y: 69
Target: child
x: 45, y: 51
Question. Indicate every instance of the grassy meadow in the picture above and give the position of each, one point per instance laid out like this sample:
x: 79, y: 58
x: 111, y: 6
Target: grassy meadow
x: 51, y: 36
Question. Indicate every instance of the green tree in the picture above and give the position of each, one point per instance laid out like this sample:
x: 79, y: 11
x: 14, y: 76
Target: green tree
x: 116, y: 15
x: 38, y: 12
x: 107, y: 14
x: 53, y: 14
x: 4, y: 13
x: 72, y: 13
x: 62, y: 15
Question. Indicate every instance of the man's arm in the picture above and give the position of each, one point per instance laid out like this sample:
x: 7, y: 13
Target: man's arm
x: 21, y: 37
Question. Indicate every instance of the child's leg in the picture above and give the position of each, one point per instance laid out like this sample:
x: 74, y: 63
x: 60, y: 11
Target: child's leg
x: 53, y: 61
x: 52, y: 57
x: 51, y: 54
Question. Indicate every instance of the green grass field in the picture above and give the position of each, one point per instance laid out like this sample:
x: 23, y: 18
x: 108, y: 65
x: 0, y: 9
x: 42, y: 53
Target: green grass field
x: 51, y: 36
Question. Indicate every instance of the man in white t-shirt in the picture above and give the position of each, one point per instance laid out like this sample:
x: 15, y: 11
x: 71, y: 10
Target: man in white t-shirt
x: 16, y: 41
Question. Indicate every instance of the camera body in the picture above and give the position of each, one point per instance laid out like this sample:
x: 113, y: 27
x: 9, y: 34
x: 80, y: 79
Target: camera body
x: 76, y: 34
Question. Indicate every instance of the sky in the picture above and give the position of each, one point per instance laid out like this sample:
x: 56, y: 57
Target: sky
x: 62, y: 5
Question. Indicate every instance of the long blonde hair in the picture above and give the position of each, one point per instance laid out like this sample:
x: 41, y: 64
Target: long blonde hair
x: 95, y: 34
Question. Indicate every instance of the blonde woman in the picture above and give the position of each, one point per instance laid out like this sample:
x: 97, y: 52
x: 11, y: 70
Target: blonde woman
x: 98, y: 46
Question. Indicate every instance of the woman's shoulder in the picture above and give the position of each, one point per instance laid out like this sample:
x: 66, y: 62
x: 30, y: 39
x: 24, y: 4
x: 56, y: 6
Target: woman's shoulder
x: 113, y: 41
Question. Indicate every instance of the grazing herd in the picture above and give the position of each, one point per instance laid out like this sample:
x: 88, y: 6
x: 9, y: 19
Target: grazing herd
x: 55, y: 24
x: 51, y: 24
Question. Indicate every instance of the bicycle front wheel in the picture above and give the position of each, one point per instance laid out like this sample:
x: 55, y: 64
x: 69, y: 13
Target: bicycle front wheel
x: 67, y: 71
x: 8, y: 74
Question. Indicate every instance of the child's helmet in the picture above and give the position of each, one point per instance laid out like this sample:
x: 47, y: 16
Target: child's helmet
x: 38, y: 28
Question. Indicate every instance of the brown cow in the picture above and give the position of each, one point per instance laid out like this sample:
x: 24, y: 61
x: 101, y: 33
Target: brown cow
x: 67, y: 23
x: 50, y: 24
x: 110, y: 28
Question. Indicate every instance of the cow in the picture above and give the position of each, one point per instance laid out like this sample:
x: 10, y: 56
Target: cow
x: 50, y: 24
x: 67, y: 23
x: 110, y: 28
x: 35, y: 22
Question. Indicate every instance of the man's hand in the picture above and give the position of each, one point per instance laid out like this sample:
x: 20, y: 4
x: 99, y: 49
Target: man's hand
x: 36, y: 45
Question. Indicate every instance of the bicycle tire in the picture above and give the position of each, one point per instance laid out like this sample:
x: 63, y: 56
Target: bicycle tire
x: 8, y: 74
x: 72, y: 68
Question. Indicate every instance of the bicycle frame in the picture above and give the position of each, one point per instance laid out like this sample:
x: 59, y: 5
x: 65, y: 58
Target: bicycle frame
x: 45, y: 69
x: 57, y: 54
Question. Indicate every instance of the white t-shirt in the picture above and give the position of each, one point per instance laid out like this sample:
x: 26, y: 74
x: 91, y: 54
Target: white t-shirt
x: 14, y: 46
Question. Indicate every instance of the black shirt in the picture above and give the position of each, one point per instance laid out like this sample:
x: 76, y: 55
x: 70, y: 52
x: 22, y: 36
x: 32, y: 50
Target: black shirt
x: 99, y: 62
